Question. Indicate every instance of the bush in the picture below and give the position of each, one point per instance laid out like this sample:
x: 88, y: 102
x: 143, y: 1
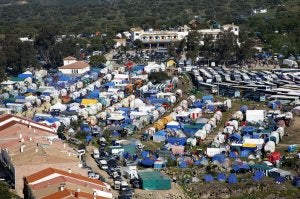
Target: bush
x: 158, y: 77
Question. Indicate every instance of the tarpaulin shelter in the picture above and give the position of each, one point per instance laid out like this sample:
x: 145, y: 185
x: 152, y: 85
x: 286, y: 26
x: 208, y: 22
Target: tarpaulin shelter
x: 296, y: 182
x: 173, y: 125
x: 244, y: 108
x: 280, y: 179
x: 245, y: 153
x: 232, y: 179
x: 221, y: 177
x: 208, y: 178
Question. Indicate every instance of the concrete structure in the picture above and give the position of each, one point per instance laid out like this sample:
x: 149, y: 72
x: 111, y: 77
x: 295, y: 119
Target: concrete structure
x: 27, y: 146
x: 55, y: 183
x: 72, y: 66
x: 120, y: 42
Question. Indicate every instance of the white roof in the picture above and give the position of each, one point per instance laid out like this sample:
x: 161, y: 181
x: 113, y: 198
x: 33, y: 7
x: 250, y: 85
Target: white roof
x: 8, y: 82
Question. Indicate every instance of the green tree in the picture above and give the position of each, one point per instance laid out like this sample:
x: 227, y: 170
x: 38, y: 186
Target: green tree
x: 227, y: 46
x: 193, y: 44
x: 246, y: 50
x: 158, y: 77
x: 139, y: 44
x: 97, y: 60
x: 5, y: 193
x: 172, y: 50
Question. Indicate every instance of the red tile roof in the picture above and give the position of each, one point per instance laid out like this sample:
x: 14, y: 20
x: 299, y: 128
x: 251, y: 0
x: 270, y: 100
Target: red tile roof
x: 49, y: 171
x: 70, y: 58
x: 16, y: 120
x: 75, y: 65
x: 71, y: 194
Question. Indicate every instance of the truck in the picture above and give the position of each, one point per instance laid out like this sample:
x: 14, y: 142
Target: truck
x: 290, y: 63
x: 96, y: 154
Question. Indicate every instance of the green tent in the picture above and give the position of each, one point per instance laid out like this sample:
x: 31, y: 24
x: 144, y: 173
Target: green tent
x: 154, y: 180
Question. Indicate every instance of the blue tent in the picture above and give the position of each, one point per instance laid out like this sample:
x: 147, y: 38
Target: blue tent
x: 198, y: 104
x: 197, y: 162
x: 147, y: 162
x: 208, y: 178
x: 219, y: 158
x: 248, y: 130
x: 244, y: 108
x: 280, y: 179
x: 221, y: 177
x: 240, y: 167
x: 235, y: 137
x: 258, y: 176
x: 146, y: 153
x: 232, y: 179
x: 211, y: 107
x: 109, y: 84
x: 245, y: 153
x: 296, y: 182
x: 179, y: 141
x: 88, y: 138
x: 64, y: 78
x: 233, y: 154
x: 203, y: 160
x: 183, y: 164
x: 207, y: 98
x: 25, y: 75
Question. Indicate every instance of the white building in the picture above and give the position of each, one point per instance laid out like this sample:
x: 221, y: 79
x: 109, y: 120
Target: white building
x: 162, y: 37
x: 72, y: 66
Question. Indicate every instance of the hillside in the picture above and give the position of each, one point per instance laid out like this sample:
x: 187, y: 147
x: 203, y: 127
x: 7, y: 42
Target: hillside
x: 77, y: 16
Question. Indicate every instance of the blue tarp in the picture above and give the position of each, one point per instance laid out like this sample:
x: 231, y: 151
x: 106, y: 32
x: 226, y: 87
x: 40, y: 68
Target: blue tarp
x: 94, y: 94
x: 232, y: 179
x: 52, y: 119
x: 221, y: 177
x: 208, y: 178
x: 296, y: 182
x: 178, y: 141
x: 258, y: 176
x: 137, y: 68
x: 64, y: 78
x: 219, y: 157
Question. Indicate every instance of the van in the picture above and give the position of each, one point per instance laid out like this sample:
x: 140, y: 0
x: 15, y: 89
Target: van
x: 96, y: 153
x: 103, y: 164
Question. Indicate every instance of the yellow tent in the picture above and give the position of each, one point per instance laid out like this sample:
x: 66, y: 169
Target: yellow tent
x: 87, y: 102
x: 159, y: 125
x: 167, y: 119
x: 171, y: 63
x: 249, y: 145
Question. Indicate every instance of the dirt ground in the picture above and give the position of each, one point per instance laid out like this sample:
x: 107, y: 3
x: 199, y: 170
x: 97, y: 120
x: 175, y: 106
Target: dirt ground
x: 175, y: 192
x: 292, y: 135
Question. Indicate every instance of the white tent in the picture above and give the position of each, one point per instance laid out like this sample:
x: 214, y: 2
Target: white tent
x: 59, y: 106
